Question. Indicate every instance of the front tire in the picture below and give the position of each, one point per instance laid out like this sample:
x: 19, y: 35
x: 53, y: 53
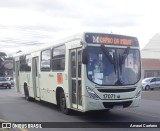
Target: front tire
x: 147, y: 87
x: 62, y: 104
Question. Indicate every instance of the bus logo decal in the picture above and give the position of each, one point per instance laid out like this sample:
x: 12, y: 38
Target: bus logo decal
x: 95, y: 39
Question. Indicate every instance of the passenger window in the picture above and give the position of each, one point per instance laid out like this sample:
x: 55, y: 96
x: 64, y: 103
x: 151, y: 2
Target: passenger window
x: 46, y: 60
x: 22, y: 63
x: 58, y: 58
x: 153, y: 80
x: 25, y: 63
x: 157, y: 79
x: 28, y: 63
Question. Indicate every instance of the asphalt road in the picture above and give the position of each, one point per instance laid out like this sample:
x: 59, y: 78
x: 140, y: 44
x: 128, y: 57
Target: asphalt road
x: 14, y: 108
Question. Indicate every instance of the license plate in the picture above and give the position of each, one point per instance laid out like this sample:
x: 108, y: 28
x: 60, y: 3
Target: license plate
x: 109, y: 96
x: 118, y: 107
x: 4, y: 84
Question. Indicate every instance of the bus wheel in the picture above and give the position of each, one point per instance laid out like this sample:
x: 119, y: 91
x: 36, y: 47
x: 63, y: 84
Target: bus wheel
x: 62, y: 104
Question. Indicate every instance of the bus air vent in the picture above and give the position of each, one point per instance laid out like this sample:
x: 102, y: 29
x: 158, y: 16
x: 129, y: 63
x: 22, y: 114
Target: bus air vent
x: 116, y: 90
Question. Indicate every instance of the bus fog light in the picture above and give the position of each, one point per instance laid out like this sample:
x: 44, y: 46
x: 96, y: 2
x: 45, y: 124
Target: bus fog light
x: 92, y: 94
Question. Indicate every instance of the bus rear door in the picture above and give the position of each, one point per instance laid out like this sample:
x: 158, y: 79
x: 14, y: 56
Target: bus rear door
x: 35, y: 72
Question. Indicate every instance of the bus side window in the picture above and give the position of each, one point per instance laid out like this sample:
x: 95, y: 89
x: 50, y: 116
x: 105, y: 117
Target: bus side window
x: 45, y: 60
x: 58, y: 58
x: 28, y: 63
x: 22, y: 63
x: 25, y: 63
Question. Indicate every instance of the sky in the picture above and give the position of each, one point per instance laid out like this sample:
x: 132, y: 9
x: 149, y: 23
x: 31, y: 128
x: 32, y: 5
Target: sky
x: 26, y: 24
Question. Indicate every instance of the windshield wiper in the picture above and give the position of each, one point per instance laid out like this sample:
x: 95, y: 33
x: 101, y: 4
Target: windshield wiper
x: 125, y: 54
x: 123, y: 57
x: 112, y: 61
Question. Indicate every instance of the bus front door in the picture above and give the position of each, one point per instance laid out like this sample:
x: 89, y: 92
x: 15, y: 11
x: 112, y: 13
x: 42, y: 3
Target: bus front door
x: 35, y: 74
x: 76, y: 81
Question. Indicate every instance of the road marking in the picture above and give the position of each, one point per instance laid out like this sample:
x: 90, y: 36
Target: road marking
x: 1, y: 120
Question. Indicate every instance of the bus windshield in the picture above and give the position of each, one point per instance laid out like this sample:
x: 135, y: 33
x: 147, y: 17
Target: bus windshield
x: 113, y: 66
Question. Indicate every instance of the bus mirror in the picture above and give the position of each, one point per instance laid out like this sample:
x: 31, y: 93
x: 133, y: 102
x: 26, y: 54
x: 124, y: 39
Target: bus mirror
x: 84, y: 56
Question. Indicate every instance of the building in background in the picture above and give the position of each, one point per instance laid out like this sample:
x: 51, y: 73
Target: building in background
x: 150, y: 55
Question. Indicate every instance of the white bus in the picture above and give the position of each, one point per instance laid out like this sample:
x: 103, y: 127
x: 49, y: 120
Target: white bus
x: 91, y: 71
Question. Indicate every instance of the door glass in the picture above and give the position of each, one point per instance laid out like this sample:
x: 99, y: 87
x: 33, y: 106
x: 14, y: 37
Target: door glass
x: 74, y: 91
x: 73, y: 64
x: 153, y: 80
x: 76, y: 65
x: 73, y: 72
x: 36, y: 66
x: 79, y: 63
x: 158, y: 79
x: 79, y: 78
x: 79, y: 92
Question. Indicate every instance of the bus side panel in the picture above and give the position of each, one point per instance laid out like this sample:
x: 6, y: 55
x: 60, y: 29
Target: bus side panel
x: 26, y: 77
x: 47, y: 83
x: 22, y: 79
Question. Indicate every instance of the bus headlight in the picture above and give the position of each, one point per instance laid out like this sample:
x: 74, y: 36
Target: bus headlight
x: 92, y: 94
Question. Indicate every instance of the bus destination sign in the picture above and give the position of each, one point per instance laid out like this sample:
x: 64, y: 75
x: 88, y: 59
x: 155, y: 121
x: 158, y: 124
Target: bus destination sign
x: 111, y: 39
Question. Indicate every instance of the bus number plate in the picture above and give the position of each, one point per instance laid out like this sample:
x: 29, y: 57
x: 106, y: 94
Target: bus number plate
x: 109, y: 96
x: 118, y: 107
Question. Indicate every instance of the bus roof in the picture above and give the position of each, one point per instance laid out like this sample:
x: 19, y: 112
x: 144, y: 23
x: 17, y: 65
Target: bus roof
x: 53, y: 44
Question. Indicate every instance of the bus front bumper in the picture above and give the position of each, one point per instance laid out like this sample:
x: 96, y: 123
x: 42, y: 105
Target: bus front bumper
x: 91, y: 104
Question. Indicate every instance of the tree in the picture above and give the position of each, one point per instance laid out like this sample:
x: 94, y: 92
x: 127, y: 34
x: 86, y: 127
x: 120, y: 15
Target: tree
x: 2, y: 57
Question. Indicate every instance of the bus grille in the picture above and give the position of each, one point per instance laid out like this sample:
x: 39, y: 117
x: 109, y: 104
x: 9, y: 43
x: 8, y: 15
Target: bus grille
x: 116, y: 90
x: 112, y: 104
